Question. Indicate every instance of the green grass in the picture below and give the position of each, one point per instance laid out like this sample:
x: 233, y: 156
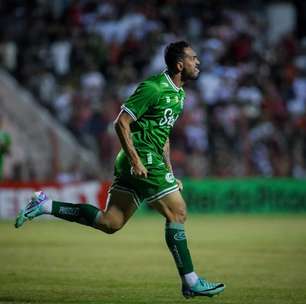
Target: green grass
x: 261, y: 259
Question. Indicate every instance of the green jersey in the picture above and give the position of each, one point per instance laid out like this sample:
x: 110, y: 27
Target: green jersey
x: 155, y: 106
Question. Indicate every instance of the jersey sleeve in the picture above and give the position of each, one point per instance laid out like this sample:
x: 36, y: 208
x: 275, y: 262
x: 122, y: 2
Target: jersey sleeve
x: 146, y: 95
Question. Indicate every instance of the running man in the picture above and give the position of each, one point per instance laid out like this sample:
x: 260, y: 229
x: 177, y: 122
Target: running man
x: 143, y: 171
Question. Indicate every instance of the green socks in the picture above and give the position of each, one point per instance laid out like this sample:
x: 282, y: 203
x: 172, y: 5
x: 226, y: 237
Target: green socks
x: 81, y: 213
x: 177, y: 244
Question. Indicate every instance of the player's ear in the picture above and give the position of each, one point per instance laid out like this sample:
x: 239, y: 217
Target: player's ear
x: 180, y: 66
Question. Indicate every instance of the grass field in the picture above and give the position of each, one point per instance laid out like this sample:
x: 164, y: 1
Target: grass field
x: 261, y: 259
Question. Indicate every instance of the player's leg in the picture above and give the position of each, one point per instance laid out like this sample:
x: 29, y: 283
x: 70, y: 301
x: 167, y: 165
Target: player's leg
x: 121, y: 206
x: 173, y: 207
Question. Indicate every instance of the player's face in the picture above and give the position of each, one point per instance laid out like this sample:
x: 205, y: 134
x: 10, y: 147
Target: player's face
x: 191, y: 64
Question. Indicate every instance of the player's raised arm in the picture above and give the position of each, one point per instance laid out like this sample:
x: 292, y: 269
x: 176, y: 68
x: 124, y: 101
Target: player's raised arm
x: 123, y: 130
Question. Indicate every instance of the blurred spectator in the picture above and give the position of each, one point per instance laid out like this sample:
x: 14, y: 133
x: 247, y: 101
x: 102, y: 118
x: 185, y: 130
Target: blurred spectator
x: 62, y: 104
x: 92, y: 84
x: 73, y: 174
x: 60, y: 51
x: 8, y: 52
x: 244, y: 116
x: 5, y: 144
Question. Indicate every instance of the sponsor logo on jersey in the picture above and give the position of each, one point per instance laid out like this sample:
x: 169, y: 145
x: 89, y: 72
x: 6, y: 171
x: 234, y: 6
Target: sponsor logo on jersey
x: 180, y: 236
x: 169, y: 118
x: 169, y: 177
x: 165, y: 84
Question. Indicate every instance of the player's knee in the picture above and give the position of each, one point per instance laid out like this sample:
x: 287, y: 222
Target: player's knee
x: 182, y: 216
x: 112, y: 229
x: 110, y: 224
x: 113, y: 226
x: 179, y: 215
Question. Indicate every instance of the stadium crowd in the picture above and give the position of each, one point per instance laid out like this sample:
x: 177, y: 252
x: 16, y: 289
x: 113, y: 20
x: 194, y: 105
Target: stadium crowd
x: 244, y: 116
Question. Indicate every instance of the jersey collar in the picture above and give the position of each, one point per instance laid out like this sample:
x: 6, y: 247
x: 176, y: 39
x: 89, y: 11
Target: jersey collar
x: 171, y: 82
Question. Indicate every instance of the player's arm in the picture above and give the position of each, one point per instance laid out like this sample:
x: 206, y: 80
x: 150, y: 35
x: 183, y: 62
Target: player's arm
x: 166, y: 155
x: 123, y: 130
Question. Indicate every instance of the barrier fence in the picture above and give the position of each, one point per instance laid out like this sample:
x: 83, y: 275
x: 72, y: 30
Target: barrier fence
x: 211, y: 195
x: 246, y: 195
x: 14, y: 196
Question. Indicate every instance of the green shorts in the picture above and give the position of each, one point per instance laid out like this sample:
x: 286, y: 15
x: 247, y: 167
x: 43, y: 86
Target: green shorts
x: 160, y: 180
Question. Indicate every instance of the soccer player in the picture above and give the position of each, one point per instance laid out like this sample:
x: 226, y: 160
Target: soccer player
x: 143, y: 171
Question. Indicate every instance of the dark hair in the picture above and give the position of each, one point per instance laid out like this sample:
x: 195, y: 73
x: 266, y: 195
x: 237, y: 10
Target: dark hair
x: 174, y: 52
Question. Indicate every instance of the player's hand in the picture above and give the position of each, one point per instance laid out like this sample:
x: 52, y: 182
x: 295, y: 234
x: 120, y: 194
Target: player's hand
x: 180, y: 184
x: 139, y: 170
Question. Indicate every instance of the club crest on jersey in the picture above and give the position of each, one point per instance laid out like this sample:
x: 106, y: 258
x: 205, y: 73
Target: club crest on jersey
x: 169, y: 118
x: 169, y: 177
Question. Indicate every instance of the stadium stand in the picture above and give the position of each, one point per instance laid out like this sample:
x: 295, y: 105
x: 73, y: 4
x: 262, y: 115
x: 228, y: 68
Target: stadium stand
x: 245, y: 116
x: 42, y: 147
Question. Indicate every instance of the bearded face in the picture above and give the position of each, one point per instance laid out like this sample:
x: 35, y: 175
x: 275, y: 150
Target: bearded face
x: 190, y: 65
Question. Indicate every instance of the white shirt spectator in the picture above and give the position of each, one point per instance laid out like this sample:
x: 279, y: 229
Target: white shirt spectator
x: 118, y: 30
x: 127, y: 90
x: 299, y: 88
x: 197, y: 137
x: 47, y: 87
x: 297, y: 106
x: 250, y: 94
x: 8, y: 55
x: 209, y: 85
x: 60, y: 53
x: 262, y: 131
x: 63, y: 105
x: 92, y: 84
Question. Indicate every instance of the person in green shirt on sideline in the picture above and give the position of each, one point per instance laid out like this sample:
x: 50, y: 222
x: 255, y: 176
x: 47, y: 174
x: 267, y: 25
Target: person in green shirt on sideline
x: 143, y: 171
x: 5, y: 144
